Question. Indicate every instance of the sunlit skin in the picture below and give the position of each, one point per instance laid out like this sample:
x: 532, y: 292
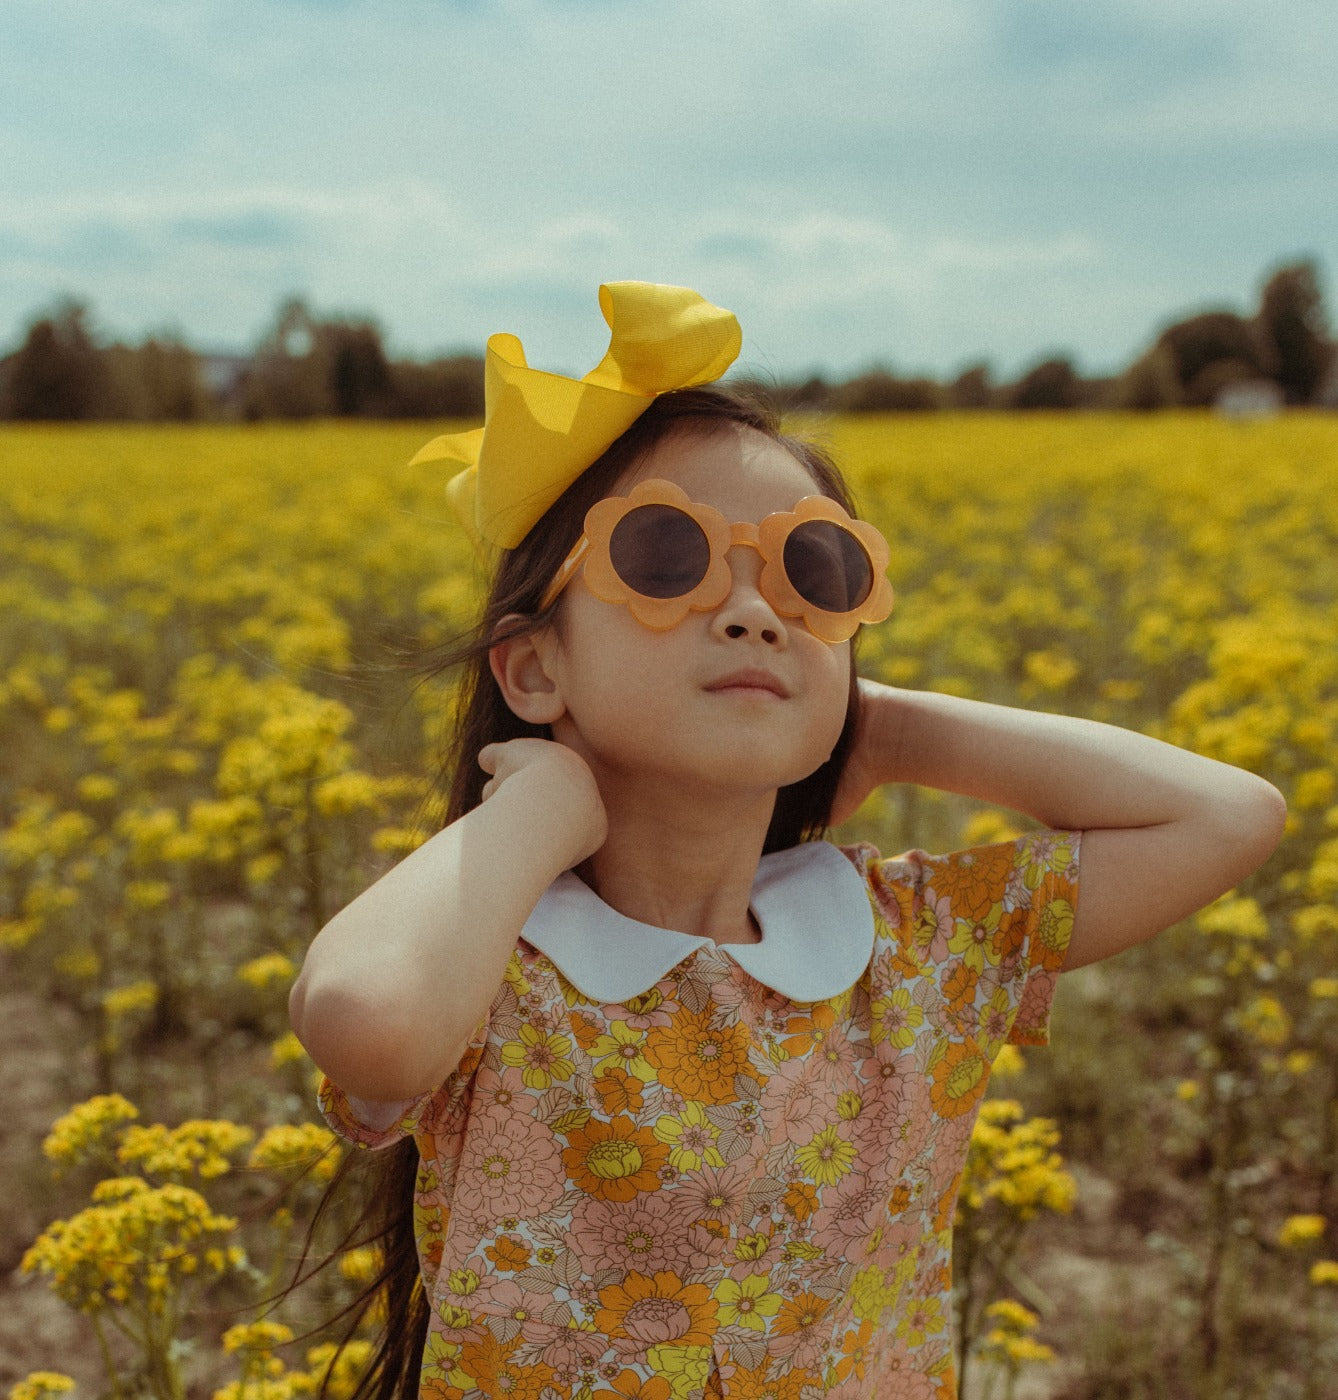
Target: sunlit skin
x: 689, y: 774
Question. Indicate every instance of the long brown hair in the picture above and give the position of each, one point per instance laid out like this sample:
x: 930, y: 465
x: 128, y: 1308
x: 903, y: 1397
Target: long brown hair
x: 482, y: 717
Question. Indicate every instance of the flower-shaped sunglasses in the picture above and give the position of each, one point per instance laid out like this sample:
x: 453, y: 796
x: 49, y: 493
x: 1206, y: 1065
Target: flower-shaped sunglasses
x: 662, y: 555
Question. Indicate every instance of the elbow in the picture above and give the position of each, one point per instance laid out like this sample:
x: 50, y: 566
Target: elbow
x: 359, y: 1045
x: 1257, y: 823
x: 1270, y: 818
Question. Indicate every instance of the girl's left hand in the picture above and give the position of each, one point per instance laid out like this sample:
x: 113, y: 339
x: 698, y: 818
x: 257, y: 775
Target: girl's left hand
x: 869, y: 765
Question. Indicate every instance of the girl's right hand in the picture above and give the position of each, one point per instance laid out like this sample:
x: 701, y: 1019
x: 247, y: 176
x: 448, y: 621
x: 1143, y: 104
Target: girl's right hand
x: 561, y: 783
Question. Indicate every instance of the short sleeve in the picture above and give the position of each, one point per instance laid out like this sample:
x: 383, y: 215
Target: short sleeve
x: 1048, y: 864
x: 375, y: 1124
x: 990, y: 925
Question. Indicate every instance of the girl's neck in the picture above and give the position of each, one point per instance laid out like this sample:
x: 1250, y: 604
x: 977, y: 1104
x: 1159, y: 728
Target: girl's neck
x: 673, y: 870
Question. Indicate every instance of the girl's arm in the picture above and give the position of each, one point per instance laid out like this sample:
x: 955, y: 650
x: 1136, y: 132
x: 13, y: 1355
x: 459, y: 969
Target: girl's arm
x: 395, y: 984
x: 1166, y: 830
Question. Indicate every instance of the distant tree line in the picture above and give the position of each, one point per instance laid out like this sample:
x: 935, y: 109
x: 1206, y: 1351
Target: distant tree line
x: 309, y: 367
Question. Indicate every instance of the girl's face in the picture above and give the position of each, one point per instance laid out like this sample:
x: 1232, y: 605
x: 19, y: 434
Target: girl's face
x: 641, y: 703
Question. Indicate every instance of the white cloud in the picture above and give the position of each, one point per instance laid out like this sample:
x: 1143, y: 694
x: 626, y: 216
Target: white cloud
x: 862, y: 178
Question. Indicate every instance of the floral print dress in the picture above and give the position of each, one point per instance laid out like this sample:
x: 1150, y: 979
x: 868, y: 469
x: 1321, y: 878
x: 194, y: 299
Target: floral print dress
x: 667, y: 1169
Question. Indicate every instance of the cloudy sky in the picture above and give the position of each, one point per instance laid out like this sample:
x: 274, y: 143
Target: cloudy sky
x: 918, y: 184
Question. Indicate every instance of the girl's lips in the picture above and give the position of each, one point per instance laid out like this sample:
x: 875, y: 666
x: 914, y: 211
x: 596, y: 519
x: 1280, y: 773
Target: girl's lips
x: 750, y: 680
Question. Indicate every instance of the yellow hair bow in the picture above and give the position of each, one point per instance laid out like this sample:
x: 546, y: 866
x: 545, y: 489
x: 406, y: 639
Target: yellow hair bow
x: 541, y: 430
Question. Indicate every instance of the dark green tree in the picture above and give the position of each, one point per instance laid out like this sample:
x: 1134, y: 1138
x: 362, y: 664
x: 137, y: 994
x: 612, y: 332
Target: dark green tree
x: 1053, y: 383
x: 880, y: 391
x: 1151, y: 382
x: 1200, y: 342
x: 58, y: 372
x: 451, y: 387
x: 971, y: 389
x: 1292, y: 322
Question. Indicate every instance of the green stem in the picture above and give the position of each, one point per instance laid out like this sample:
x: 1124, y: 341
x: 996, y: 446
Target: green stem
x: 278, y: 1265
x: 113, y: 1375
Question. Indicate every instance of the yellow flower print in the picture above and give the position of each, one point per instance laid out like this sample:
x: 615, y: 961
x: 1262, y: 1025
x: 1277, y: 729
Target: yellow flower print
x: 871, y: 1294
x: 540, y: 1055
x: 826, y: 1158
x: 1053, y: 932
x: 685, y: 1368
x: 747, y: 1303
x: 922, y: 1318
x: 973, y: 939
x: 895, y: 1019
x: 690, y: 1137
x: 621, y: 1047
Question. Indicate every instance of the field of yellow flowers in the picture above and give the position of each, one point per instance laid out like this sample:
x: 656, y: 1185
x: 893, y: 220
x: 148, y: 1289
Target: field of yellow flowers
x: 210, y: 740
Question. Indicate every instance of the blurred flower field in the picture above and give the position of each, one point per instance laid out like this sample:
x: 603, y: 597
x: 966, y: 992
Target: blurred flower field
x: 208, y: 746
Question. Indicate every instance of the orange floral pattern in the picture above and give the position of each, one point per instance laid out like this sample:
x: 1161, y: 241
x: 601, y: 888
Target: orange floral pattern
x: 614, y: 1160
x: 697, y: 1057
x: 712, y: 1191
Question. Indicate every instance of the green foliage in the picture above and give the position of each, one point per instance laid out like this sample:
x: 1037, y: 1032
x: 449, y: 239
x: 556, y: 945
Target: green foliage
x: 1292, y: 322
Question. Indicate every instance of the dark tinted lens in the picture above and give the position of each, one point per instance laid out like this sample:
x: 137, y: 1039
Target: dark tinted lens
x: 659, y: 551
x: 828, y: 566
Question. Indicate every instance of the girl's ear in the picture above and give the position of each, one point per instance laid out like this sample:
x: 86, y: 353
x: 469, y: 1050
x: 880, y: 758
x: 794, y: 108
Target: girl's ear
x: 518, y: 667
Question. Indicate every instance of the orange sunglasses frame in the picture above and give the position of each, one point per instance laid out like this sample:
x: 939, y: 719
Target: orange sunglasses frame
x: 768, y: 538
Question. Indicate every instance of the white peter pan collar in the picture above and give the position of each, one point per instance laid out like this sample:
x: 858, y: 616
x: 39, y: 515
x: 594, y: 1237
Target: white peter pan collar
x: 810, y: 902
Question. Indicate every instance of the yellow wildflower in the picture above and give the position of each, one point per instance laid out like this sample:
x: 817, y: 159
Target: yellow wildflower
x: 348, y: 792
x: 147, y: 894
x: 287, y: 1050
x: 397, y: 840
x: 260, y: 870
x: 86, y: 1129
x: 1267, y: 1021
x: 261, y: 1336
x: 340, y: 1368
x: 1234, y: 917
x: 1297, y: 1231
x: 121, y: 1002
x: 83, y: 964
x: 97, y: 787
x: 1314, y: 788
x: 136, y: 1245
x: 269, y: 967
x: 1009, y: 1062
x: 1011, y: 1160
x: 362, y: 1265
x: 38, y: 1384
x: 1315, y: 920
x: 284, y: 1386
x: 199, y: 1145
x: 290, y: 1145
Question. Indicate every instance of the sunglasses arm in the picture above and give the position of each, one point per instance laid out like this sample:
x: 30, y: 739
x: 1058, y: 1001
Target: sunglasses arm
x: 564, y: 575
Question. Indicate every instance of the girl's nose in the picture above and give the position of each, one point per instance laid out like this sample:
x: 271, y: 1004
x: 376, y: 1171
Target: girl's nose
x: 745, y: 611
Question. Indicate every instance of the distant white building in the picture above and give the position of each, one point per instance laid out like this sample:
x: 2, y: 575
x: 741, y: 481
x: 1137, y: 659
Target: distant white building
x: 222, y: 372
x: 1249, y: 398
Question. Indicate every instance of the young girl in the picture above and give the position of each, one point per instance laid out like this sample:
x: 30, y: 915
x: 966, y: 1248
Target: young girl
x: 684, y: 1091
